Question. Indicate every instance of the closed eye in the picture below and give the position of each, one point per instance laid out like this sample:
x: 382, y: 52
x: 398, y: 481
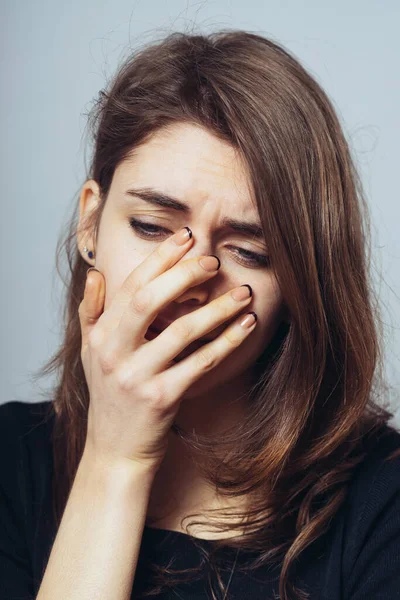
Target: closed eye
x: 151, y: 231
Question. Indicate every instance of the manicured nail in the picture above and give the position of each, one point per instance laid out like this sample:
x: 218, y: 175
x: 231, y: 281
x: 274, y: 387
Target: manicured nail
x: 242, y: 293
x: 182, y: 236
x: 210, y: 263
x: 249, y: 320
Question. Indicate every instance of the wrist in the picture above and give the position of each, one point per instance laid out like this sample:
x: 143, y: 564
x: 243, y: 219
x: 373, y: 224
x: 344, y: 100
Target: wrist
x: 116, y: 472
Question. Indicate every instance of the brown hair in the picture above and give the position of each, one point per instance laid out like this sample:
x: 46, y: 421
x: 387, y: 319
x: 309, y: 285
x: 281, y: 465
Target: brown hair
x: 314, y: 400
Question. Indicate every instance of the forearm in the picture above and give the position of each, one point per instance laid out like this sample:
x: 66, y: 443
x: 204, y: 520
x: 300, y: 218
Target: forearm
x: 96, y: 549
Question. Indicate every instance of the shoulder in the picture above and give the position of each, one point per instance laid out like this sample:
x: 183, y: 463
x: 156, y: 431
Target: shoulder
x: 18, y: 410
x: 377, y: 477
x: 25, y: 441
x: 17, y: 417
x: 371, y: 552
x: 25, y: 476
x: 376, y: 480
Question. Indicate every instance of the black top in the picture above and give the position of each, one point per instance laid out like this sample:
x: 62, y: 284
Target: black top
x: 358, y: 558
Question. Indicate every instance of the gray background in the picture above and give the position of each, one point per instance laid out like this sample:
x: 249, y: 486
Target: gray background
x: 56, y: 56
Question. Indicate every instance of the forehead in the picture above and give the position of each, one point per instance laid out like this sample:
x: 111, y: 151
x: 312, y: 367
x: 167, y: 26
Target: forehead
x: 188, y: 162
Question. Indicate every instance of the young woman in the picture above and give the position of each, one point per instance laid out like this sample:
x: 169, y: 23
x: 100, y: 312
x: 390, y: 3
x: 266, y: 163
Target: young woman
x: 222, y: 355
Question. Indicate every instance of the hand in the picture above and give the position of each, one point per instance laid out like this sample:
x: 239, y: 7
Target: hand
x: 134, y: 396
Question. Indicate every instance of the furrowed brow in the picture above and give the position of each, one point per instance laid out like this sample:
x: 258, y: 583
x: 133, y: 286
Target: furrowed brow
x: 157, y: 198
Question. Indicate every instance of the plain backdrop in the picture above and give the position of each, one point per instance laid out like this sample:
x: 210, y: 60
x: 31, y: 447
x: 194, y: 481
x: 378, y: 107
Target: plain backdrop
x: 56, y: 56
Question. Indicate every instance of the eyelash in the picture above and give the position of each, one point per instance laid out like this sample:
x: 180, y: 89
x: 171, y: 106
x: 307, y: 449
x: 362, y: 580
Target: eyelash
x: 259, y: 260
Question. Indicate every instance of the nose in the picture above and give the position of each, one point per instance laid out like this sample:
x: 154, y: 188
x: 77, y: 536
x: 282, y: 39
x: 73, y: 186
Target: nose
x: 196, y: 295
x: 199, y: 294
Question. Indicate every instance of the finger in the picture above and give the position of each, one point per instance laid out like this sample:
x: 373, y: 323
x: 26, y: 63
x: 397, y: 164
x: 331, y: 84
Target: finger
x: 91, y: 307
x: 181, y: 375
x: 129, y: 333
x: 189, y: 328
x: 165, y: 255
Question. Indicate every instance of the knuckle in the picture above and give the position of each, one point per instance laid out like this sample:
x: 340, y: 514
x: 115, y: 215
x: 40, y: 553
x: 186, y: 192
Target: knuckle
x: 155, y: 395
x: 108, y: 360
x: 232, y: 339
x: 205, y: 358
x: 160, y: 251
x: 81, y: 309
x: 85, y: 316
x: 141, y: 301
x: 182, y: 328
x: 190, y: 269
x: 95, y: 338
x: 124, y: 379
x: 135, y: 367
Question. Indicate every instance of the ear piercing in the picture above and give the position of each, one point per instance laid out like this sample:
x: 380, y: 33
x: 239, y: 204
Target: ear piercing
x: 90, y: 253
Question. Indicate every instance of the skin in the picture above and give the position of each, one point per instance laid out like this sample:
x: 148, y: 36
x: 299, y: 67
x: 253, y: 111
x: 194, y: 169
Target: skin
x: 189, y: 163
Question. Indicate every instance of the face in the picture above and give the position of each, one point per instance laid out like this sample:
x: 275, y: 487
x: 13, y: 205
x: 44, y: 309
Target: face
x: 191, y: 165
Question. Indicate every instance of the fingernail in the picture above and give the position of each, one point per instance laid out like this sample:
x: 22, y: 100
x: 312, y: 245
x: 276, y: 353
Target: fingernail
x: 210, y: 263
x: 242, y: 293
x: 249, y: 320
x: 182, y: 236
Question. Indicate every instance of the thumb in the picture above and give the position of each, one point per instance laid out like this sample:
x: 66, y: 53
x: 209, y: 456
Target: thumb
x: 92, y: 305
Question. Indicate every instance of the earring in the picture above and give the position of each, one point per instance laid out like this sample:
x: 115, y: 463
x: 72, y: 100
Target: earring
x: 90, y: 253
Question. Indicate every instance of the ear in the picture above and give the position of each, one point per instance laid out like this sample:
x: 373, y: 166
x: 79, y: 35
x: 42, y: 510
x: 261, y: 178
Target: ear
x: 88, y: 203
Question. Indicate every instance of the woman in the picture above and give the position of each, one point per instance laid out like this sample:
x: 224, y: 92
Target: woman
x: 219, y: 166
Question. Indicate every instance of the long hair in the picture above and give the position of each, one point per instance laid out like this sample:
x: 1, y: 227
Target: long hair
x: 314, y: 402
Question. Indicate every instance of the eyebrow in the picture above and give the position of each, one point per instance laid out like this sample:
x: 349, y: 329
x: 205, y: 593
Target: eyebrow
x: 158, y: 198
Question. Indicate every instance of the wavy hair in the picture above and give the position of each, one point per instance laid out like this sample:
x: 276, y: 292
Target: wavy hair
x: 314, y: 401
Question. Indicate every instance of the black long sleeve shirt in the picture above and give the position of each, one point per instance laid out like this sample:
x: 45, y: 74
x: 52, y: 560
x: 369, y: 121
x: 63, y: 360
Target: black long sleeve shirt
x: 357, y: 559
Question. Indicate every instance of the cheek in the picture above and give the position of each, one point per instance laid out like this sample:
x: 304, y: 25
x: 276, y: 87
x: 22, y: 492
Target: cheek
x: 115, y: 275
x: 270, y: 310
x: 116, y: 258
x: 274, y: 311
x: 268, y: 301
